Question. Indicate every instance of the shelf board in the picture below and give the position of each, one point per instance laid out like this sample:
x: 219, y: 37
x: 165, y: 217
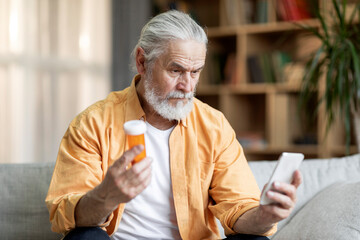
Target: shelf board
x: 288, y: 87
x: 306, y: 149
x: 256, y: 88
x: 260, y: 28
x: 205, y: 90
x: 267, y: 87
x: 221, y: 31
x: 279, y: 26
x: 249, y: 88
x: 341, y: 150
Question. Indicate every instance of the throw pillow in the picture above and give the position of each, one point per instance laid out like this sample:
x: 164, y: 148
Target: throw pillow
x: 334, y: 213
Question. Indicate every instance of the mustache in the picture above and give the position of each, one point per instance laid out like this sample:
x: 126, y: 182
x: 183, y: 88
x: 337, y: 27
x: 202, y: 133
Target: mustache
x: 180, y: 94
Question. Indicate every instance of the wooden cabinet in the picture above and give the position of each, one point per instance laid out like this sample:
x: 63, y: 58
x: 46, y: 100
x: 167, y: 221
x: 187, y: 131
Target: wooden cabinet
x: 263, y: 110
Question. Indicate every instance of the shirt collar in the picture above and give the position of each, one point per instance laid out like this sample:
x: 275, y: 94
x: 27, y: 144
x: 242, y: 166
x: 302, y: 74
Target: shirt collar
x: 134, y: 111
x: 184, y: 120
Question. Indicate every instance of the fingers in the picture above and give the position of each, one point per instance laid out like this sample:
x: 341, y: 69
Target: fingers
x: 297, y: 180
x: 135, y: 179
x: 125, y: 184
x: 284, y: 196
x: 120, y: 184
x: 284, y: 193
x: 282, y: 199
x: 128, y: 156
x: 139, y: 172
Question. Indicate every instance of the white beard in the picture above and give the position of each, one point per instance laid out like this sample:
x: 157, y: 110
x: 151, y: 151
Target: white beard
x: 162, y: 105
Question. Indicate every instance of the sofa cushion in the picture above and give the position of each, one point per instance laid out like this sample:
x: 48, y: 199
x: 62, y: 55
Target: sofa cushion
x: 334, y: 213
x: 317, y: 175
x: 23, y: 212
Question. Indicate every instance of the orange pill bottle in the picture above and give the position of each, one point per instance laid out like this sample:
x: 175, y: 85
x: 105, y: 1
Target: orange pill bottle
x: 135, y: 135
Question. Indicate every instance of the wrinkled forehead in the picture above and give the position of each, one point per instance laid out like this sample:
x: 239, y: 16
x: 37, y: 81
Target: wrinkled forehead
x: 185, y: 52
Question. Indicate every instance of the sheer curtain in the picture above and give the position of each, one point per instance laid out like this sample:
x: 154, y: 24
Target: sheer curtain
x: 54, y: 62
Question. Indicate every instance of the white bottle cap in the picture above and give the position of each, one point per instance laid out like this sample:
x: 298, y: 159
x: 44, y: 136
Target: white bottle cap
x: 135, y: 127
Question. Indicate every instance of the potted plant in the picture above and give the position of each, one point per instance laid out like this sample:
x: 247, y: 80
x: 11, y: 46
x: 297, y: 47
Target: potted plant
x: 336, y: 64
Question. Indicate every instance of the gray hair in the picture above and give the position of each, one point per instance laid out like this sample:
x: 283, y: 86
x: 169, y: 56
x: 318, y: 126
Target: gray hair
x: 167, y: 26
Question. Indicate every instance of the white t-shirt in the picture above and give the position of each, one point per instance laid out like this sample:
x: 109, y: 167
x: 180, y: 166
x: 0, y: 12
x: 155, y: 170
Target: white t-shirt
x: 151, y: 215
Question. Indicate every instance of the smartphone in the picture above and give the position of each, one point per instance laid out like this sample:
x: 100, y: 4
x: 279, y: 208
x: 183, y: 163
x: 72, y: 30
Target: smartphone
x: 287, y: 164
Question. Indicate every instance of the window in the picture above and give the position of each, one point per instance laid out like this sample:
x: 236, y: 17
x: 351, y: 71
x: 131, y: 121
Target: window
x: 54, y: 62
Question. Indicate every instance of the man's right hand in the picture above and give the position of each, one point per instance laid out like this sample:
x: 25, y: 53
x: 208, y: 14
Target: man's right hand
x: 120, y: 185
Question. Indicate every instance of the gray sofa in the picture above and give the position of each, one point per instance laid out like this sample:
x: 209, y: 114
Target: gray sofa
x: 328, y: 200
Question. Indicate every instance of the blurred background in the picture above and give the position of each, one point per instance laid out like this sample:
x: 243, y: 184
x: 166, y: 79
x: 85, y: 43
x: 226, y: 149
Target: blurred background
x: 56, y: 58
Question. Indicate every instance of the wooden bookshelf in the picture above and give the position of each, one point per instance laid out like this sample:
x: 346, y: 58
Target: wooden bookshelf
x: 264, y: 115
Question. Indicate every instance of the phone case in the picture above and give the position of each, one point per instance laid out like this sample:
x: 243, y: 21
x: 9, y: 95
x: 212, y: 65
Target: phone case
x: 287, y: 164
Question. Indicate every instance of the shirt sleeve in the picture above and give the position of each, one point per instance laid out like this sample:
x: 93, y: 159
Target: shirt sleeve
x: 78, y: 169
x: 233, y: 187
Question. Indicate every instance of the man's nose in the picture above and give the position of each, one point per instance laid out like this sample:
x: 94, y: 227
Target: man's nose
x: 185, y: 82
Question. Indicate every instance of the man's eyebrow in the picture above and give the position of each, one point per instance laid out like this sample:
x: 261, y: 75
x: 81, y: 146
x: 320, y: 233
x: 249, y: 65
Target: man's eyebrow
x: 198, y: 69
x: 177, y: 65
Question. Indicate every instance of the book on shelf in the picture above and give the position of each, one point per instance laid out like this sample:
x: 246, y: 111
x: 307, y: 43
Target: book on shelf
x: 231, y: 12
x: 236, y: 12
x: 261, y: 11
x: 255, y: 71
x: 303, y: 6
x: 230, y: 69
x: 307, y: 139
x: 293, y: 10
x: 165, y: 5
x: 253, y: 140
x: 280, y: 60
x: 268, y: 67
x: 294, y: 72
x: 214, y: 70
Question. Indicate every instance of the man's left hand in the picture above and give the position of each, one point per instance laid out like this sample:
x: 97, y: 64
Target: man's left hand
x: 261, y: 219
x: 284, y: 196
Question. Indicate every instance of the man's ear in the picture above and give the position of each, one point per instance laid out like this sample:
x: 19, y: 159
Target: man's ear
x: 140, y: 60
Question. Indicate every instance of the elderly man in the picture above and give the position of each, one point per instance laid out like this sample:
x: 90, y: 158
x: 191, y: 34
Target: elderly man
x: 195, y: 169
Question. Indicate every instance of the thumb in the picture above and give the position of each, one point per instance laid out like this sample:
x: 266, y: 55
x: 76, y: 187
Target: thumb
x: 297, y: 179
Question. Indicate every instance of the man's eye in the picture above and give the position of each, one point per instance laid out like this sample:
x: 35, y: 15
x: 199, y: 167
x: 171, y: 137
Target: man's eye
x: 196, y: 72
x: 175, y: 71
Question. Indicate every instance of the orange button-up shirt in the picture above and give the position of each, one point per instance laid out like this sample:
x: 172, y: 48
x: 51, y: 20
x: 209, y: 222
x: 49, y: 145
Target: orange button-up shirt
x: 210, y: 175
